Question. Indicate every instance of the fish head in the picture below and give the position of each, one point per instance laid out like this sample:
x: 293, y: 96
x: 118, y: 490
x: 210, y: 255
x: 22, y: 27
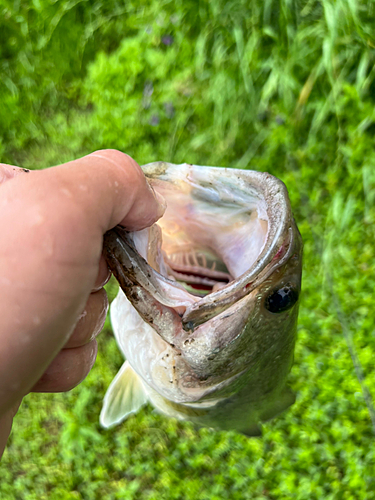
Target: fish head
x: 215, y: 289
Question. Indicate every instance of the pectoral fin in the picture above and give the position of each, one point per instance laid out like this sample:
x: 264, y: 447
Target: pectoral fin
x: 284, y: 400
x: 124, y: 396
x: 253, y: 430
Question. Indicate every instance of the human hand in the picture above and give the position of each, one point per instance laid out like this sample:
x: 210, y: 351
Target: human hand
x: 52, y: 272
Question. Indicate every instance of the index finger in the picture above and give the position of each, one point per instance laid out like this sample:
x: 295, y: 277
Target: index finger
x: 117, y: 183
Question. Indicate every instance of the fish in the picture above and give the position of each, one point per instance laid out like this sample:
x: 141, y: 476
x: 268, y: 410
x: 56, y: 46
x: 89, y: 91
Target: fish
x: 206, y: 315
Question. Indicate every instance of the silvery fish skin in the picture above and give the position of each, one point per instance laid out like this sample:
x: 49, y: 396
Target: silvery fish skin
x: 218, y: 357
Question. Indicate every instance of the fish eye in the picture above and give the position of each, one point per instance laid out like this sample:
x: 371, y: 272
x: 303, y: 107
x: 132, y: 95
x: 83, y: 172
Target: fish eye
x: 282, y: 299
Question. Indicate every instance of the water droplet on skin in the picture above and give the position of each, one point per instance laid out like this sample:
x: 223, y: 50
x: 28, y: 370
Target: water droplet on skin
x: 67, y: 192
x: 37, y: 220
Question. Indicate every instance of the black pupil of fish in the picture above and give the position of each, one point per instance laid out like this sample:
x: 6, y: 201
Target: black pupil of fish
x: 282, y: 299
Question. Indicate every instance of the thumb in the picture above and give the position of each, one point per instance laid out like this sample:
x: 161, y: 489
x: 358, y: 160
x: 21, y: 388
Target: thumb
x: 51, y: 230
x: 110, y: 188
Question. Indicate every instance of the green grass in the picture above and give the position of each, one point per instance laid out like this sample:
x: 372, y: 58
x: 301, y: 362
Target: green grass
x: 280, y: 86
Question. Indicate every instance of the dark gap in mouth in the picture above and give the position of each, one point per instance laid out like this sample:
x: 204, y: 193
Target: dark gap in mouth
x: 199, y: 271
x: 200, y: 280
x: 203, y: 288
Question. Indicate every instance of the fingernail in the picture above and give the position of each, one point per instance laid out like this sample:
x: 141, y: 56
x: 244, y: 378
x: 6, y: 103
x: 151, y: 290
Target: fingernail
x: 162, y: 204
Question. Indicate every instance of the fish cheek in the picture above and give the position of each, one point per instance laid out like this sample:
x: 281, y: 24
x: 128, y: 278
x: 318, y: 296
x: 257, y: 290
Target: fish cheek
x: 210, y: 352
x: 226, y: 345
x: 267, y: 344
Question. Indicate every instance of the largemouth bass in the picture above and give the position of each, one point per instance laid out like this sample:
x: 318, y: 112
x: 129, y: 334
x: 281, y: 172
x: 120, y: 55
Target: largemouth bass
x: 207, y: 312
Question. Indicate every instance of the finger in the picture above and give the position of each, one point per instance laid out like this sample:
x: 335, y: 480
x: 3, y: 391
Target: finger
x: 8, y: 172
x: 68, y: 369
x: 91, y: 321
x: 116, y: 183
x: 131, y: 210
x: 103, y: 275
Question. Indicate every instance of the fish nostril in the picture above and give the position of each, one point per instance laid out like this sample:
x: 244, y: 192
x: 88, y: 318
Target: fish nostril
x: 282, y: 299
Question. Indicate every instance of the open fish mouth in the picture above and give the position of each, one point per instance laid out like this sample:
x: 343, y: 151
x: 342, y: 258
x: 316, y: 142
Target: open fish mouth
x: 217, y: 280
x: 220, y: 231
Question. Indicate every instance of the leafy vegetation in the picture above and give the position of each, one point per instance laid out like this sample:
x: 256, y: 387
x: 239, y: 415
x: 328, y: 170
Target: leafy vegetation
x: 284, y: 86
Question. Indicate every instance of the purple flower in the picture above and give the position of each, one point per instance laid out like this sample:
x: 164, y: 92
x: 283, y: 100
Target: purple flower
x: 148, y: 90
x: 169, y: 109
x: 154, y: 120
x: 167, y: 39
